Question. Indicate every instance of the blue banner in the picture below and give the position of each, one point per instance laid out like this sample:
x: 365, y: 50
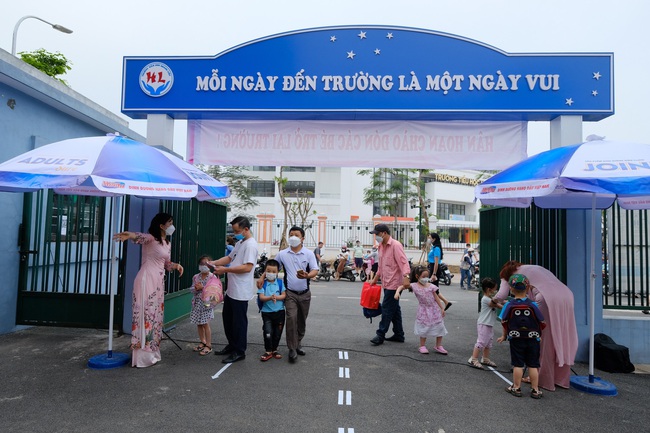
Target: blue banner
x: 370, y: 73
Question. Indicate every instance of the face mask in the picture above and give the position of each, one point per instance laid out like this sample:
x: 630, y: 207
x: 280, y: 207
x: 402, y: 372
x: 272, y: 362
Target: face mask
x: 239, y: 237
x: 204, y: 269
x: 271, y: 277
x: 170, y: 230
x: 294, y: 241
x: 424, y: 281
x: 344, y: 251
x: 379, y: 239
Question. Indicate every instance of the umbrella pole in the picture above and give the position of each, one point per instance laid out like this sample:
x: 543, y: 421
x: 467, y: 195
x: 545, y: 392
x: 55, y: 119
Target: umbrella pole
x: 110, y: 359
x: 113, y: 279
x: 592, y: 289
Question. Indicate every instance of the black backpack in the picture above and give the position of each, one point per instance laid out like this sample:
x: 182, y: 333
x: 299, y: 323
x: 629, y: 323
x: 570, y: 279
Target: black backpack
x: 611, y: 357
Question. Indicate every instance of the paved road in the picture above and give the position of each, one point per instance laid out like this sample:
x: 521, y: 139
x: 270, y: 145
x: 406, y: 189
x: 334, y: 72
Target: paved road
x: 343, y: 384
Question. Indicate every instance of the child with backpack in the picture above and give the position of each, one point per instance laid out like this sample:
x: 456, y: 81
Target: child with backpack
x: 522, y: 325
x: 429, y: 320
x: 270, y: 299
x: 487, y: 319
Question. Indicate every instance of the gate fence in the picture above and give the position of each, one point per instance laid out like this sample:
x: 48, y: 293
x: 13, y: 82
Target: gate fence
x: 538, y: 236
x: 338, y: 233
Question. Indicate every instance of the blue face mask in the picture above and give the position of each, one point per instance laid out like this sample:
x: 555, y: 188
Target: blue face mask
x: 239, y: 237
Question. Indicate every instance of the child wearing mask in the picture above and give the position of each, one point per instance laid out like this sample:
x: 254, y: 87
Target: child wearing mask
x: 202, y: 314
x: 271, y: 298
x: 429, y: 320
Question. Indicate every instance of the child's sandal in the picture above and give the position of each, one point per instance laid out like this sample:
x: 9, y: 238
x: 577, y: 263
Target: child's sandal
x: 206, y: 350
x: 514, y: 391
x: 489, y: 363
x: 199, y: 347
x: 474, y: 363
x: 266, y: 356
x: 536, y: 394
x: 277, y: 355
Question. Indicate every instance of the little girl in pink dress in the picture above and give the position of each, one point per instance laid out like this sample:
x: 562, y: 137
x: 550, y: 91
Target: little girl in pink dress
x: 429, y: 320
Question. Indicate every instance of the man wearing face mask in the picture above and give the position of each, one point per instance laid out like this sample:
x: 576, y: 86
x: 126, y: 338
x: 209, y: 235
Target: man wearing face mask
x: 241, y: 288
x: 394, y: 271
x: 300, y: 267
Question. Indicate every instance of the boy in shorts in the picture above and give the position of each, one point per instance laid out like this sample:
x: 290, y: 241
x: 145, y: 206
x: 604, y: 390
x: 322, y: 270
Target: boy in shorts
x: 522, y: 325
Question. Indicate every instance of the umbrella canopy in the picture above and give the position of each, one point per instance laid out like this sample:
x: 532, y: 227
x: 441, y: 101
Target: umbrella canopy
x: 567, y: 178
x: 590, y: 175
x: 108, y: 166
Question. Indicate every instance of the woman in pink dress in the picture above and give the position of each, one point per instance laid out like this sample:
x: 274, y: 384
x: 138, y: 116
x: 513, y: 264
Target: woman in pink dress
x: 149, y: 289
x: 560, y: 338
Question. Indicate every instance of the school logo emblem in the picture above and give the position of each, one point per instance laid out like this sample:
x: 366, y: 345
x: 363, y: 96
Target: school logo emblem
x: 156, y: 79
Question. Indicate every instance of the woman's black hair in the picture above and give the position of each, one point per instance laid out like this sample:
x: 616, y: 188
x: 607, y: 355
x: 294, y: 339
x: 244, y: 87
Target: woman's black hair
x: 154, y: 228
x: 435, y: 237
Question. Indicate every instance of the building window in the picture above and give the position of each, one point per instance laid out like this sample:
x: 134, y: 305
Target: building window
x: 262, y: 168
x: 445, y: 210
x: 262, y: 188
x: 295, y: 187
x: 76, y: 217
x: 299, y: 169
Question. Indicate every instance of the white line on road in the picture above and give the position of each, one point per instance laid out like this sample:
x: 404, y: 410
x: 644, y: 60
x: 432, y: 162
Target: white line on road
x: 348, y: 397
x: 343, y: 355
x: 500, y: 375
x: 221, y: 371
x: 342, y: 430
x: 344, y: 372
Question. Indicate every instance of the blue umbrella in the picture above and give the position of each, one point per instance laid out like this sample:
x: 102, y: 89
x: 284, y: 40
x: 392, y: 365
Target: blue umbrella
x: 590, y: 175
x: 109, y: 166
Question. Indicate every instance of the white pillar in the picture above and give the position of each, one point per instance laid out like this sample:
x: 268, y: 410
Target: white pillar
x: 160, y: 131
x: 566, y: 130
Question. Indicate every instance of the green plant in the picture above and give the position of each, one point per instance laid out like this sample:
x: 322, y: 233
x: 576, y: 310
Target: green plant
x: 52, y: 64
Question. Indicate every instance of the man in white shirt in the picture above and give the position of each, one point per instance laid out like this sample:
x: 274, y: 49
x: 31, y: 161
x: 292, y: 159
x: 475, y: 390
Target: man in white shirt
x: 241, y: 288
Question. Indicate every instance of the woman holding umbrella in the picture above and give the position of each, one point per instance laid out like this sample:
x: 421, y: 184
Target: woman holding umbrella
x: 149, y: 289
x: 560, y: 337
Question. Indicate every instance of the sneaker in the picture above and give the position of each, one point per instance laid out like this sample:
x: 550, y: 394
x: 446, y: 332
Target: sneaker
x: 377, y: 340
x: 423, y: 350
x: 440, y: 349
x: 395, y: 339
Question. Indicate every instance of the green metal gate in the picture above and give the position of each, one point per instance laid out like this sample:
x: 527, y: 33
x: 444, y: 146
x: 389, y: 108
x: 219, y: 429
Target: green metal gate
x: 531, y: 236
x: 200, y: 229
x: 64, y: 275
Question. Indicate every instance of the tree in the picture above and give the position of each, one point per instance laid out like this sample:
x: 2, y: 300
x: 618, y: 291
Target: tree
x: 391, y: 188
x: 295, y: 212
x: 238, y: 181
x: 53, y: 64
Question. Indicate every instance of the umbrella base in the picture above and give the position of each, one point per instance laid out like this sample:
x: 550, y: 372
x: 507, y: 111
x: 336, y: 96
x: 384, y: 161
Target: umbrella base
x: 598, y: 386
x: 104, y: 361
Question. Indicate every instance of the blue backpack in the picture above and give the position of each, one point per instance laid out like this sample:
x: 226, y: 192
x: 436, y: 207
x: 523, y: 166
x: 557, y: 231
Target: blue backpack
x: 369, y: 313
x: 522, y: 321
x: 260, y: 304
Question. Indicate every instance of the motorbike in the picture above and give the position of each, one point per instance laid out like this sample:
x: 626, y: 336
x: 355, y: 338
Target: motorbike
x: 364, y: 272
x: 475, y: 280
x: 443, y: 274
x: 348, y: 271
x: 261, y: 264
x: 324, y: 272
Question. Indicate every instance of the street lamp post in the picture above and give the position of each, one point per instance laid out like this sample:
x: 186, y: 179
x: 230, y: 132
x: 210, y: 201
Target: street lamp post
x: 54, y: 26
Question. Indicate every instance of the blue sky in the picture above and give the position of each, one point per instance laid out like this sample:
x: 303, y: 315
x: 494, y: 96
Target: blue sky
x: 104, y: 32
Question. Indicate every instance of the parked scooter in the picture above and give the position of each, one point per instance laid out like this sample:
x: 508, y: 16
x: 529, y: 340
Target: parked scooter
x: 443, y: 274
x: 261, y: 264
x: 365, y: 270
x: 324, y: 272
x: 348, y: 271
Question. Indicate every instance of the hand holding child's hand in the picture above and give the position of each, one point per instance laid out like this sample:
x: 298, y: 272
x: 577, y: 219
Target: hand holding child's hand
x: 198, y: 286
x: 396, y: 296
